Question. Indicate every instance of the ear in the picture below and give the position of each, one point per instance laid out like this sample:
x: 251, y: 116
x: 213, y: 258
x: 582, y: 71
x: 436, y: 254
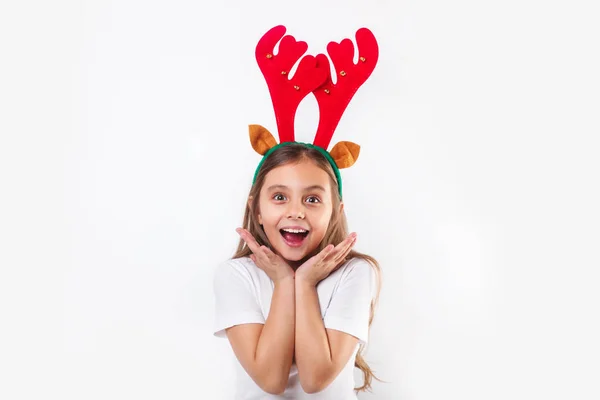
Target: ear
x: 261, y: 139
x: 250, y: 206
x: 345, y: 154
x: 341, y: 206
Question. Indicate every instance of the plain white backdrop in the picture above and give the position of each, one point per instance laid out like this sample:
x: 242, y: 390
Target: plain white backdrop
x: 125, y: 162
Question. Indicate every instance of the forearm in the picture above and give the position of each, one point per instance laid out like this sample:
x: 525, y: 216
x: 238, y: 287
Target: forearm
x: 275, y: 348
x: 312, y: 349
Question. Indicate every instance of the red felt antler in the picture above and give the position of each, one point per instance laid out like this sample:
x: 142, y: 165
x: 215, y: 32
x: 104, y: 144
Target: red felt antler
x: 333, y: 99
x: 286, y: 93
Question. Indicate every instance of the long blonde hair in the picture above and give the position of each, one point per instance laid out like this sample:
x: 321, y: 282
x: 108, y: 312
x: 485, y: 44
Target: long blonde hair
x: 336, y: 231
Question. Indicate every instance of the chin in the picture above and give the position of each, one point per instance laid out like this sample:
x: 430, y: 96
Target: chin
x: 291, y: 254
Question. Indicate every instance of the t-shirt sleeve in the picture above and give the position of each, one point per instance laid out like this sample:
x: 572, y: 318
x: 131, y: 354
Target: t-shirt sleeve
x: 235, y: 298
x: 350, y: 306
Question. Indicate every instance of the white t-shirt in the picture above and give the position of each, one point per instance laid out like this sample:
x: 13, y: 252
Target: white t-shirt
x: 243, y: 295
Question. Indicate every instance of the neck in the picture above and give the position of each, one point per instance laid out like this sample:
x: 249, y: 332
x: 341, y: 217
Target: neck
x: 296, y: 264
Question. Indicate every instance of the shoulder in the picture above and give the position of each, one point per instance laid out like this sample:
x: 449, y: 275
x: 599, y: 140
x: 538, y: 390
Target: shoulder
x: 358, y: 272
x: 242, y: 268
x: 357, y: 267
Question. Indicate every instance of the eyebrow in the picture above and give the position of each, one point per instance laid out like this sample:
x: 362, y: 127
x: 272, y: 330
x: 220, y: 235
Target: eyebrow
x: 313, y: 187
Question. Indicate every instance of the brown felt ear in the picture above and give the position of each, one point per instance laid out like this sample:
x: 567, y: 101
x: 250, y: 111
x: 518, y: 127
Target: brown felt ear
x: 261, y: 139
x: 345, y: 154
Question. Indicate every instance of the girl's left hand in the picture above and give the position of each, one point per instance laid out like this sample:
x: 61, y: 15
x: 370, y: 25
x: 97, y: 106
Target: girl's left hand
x: 318, y: 267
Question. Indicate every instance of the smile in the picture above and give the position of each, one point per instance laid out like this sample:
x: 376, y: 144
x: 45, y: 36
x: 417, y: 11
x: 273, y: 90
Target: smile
x: 293, y: 237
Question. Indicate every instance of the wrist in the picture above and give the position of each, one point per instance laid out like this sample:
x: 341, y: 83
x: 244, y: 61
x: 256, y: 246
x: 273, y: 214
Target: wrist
x: 304, y: 283
x: 288, y: 279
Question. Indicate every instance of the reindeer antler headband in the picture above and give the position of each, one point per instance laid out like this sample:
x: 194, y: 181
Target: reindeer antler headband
x: 313, y: 75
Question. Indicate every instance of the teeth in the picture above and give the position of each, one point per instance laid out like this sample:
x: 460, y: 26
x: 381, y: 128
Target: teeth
x: 294, y: 230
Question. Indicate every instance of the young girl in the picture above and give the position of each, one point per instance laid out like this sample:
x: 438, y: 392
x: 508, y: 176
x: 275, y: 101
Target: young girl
x: 296, y: 301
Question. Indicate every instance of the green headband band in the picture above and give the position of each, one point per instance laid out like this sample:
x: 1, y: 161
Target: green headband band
x: 312, y: 146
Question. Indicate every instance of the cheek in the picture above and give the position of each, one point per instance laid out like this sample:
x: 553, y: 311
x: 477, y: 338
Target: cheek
x: 321, y: 220
x: 268, y: 215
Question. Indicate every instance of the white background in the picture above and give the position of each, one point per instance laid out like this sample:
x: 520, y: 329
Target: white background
x: 125, y: 162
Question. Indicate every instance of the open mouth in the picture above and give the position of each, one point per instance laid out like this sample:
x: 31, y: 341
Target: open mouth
x: 293, y: 238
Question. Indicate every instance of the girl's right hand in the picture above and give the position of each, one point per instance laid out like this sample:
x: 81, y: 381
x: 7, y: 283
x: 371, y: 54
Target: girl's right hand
x: 274, y: 265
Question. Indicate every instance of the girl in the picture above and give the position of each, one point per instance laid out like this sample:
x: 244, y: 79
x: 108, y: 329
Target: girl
x: 296, y: 301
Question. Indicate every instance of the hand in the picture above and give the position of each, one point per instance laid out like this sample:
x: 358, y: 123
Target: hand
x: 274, y: 266
x: 328, y: 260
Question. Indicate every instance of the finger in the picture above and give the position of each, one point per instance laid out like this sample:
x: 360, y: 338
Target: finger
x: 341, y: 255
x: 267, y: 253
x: 327, y: 250
x: 342, y: 247
x: 271, y: 254
x: 351, y: 242
x: 249, y: 239
x: 348, y: 248
x: 260, y: 259
x: 346, y: 243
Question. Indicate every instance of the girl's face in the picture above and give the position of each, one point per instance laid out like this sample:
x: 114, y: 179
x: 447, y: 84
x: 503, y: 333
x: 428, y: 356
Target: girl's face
x: 295, y: 197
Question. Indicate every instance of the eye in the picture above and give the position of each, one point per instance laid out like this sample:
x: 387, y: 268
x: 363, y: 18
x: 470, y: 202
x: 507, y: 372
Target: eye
x: 275, y: 196
x: 314, y: 197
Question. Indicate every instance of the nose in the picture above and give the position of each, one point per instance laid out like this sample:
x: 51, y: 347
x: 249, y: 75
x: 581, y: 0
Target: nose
x: 295, y: 210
